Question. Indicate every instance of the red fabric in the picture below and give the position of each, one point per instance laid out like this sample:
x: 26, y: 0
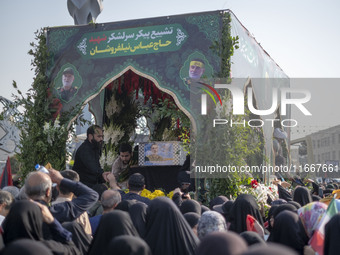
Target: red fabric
x: 131, y: 83
x: 317, y: 242
x: 6, y: 176
x: 250, y: 223
x: 144, y: 92
x: 155, y: 92
x: 136, y: 85
x: 149, y: 89
x: 110, y: 86
x: 253, y: 225
x: 266, y: 224
x: 55, y: 106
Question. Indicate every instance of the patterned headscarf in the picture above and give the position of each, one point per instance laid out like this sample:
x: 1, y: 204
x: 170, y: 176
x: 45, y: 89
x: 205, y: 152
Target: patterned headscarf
x: 310, y: 215
x: 211, y: 221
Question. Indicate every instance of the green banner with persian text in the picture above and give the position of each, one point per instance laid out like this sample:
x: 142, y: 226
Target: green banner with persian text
x: 170, y: 52
x: 132, y: 41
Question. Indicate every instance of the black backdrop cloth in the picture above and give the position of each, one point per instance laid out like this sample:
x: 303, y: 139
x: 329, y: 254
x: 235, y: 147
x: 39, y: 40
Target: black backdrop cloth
x: 156, y: 177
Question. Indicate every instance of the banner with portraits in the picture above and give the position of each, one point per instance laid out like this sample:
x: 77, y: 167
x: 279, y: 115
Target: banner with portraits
x: 173, y: 52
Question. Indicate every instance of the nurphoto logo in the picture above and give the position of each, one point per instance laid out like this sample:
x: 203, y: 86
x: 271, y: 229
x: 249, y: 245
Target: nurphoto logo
x: 238, y: 99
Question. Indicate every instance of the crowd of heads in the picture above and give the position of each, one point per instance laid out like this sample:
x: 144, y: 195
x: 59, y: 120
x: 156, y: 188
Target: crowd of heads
x: 166, y: 226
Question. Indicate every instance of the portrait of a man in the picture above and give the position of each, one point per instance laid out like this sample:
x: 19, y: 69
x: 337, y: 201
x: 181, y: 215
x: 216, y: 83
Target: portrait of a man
x: 196, y: 70
x: 157, y: 153
x: 67, y: 91
x: 154, y: 156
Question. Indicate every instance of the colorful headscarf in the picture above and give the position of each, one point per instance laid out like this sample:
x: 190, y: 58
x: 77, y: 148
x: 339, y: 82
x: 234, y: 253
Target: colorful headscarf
x: 310, y: 216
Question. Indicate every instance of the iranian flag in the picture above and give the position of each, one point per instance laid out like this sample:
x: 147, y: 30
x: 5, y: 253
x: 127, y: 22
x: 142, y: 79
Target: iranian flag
x: 317, y: 240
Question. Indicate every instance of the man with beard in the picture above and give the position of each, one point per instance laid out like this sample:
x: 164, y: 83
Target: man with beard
x: 120, y: 168
x: 67, y: 91
x: 86, y: 161
x: 196, y: 70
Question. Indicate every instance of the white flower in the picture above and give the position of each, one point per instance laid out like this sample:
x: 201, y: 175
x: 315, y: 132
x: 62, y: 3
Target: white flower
x: 56, y: 123
x: 112, y: 107
x: 102, y: 161
x: 261, y: 192
x: 110, y: 158
x: 116, y: 136
x: 113, y: 134
x: 107, y: 160
x: 46, y: 127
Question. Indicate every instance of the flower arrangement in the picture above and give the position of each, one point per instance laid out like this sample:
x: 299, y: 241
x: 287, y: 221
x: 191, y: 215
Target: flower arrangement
x: 112, y: 107
x: 170, y: 195
x: 112, y: 135
x: 106, y: 161
x: 152, y: 195
x: 260, y: 192
x: 53, y: 131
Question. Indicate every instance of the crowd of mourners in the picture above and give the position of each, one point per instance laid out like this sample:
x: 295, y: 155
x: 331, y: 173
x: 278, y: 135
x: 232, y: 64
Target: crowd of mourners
x: 56, y: 214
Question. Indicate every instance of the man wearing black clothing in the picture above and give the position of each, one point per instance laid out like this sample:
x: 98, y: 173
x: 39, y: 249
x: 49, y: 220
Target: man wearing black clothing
x: 86, y: 162
x: 136, y: 184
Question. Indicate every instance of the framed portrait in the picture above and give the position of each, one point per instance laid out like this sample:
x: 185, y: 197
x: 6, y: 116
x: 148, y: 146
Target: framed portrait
x: 67, y: 83
x: 161, y: 154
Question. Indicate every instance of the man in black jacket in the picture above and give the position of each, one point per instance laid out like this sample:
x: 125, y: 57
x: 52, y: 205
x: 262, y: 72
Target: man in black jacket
x: 86, y: 162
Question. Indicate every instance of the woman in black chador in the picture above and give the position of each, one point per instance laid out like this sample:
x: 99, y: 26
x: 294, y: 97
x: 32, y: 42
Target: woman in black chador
x: 167, y: 231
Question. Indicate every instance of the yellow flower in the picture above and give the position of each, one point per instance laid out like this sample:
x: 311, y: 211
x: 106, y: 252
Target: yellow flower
x: 170, y: 194
x: 158, y: 193
x: 71, y: 162
x: 151, y: 196
x: 145, y: 193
